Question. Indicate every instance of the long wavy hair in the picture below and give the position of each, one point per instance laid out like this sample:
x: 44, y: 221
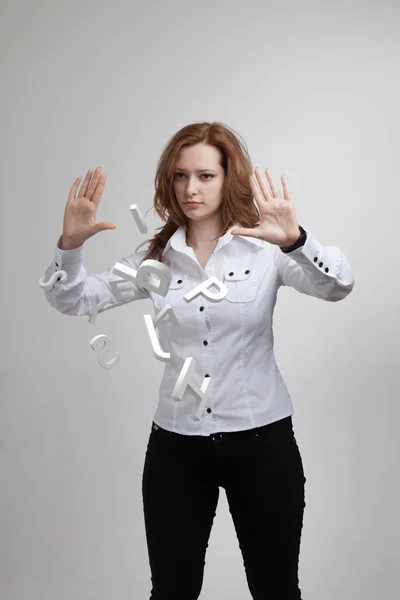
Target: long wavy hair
x: 237, y: 204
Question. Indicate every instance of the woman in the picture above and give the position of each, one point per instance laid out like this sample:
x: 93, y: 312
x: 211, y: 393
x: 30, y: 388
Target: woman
x: 244, y: 439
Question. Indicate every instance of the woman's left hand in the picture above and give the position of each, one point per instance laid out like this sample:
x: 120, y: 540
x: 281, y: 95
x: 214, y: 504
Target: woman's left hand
x: 278, y: 222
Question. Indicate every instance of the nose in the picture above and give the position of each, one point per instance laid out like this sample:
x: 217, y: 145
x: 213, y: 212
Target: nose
x: 191, y: 187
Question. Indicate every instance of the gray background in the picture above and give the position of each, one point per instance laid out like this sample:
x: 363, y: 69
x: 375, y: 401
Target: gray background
x: 313, y: 89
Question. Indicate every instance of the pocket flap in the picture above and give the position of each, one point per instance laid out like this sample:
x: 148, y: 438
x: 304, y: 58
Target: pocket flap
x: 240, y: 278
x: 235, y: 273
x: 177, y: 282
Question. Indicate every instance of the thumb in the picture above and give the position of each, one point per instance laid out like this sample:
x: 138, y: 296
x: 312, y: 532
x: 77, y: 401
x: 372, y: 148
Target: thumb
x: 103, y: 226
x: 242, y: 231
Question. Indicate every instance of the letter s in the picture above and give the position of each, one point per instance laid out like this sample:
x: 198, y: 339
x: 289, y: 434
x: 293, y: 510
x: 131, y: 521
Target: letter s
x: 58, y: 274
x: 96, y: 341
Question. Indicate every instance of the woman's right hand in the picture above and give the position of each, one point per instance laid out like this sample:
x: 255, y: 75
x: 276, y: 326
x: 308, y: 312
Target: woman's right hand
x: 80, y: 211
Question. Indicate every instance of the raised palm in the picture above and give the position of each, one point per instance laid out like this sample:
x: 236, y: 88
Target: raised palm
x: 81, y: 208
x: 278, y: 221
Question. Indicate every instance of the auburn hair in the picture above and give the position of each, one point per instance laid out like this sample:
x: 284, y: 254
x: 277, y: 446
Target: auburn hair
x: 237, y: 204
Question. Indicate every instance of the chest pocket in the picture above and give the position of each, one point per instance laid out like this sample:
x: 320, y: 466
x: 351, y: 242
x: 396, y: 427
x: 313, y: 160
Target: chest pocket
x: 175, y: 293
x: 240, y: 279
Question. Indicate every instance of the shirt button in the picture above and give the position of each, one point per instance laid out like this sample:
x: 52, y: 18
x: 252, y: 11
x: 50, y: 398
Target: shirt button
x: 208, y: 410
x: 179, y: 280
x: 246, y: 272
x: 231, y: 273
x: 201, y: 307
x: 205, y: 342
x: 206, y: 375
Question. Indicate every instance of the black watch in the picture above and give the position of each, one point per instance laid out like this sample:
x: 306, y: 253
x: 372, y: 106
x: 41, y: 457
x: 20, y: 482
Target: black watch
x: 298, y: 243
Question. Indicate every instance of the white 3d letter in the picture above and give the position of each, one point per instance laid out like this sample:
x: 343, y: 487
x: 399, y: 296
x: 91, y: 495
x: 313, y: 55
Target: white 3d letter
x: 118, y: 286
x: 96, y: 307
x: 158, y: 352
x: 166, y: 315
x: 52, y: 279
x: 142, y: 277
x: 135, y: 210
x: 96, y: 341
x: 184, y: 381
x: 203, y: 290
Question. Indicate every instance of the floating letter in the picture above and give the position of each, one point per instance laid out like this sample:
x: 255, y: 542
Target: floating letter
x: 96, y: 341
x: 137, y: 215
x: 52, y: 279
x: 203, y: 290
x: 158, y: 352
x: 184, y: 381
x: 166, y: 315
x: 142, y: 276
x: 118, y: 286
x: 96, y: 307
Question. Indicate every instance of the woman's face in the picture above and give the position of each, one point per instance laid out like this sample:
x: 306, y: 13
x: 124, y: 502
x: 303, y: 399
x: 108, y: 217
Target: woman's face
x: 199, y: 176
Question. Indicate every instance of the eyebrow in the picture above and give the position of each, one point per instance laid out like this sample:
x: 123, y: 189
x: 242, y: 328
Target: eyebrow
x: 198, y: 170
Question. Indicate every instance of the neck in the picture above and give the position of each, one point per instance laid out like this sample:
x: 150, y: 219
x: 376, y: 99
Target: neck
x: 202, y: 236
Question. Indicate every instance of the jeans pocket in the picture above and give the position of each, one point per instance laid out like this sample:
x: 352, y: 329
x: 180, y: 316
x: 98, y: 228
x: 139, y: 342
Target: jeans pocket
x: 153, y: 431
x: 158, y: 432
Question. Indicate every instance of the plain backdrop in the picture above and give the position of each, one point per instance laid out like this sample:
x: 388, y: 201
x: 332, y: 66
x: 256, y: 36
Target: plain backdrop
x: 313, y: 89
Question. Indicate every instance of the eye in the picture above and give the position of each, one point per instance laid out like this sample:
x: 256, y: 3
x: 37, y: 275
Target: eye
x: 210, y: 175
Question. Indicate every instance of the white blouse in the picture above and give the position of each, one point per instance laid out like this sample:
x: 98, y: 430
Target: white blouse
x: 232, y: 340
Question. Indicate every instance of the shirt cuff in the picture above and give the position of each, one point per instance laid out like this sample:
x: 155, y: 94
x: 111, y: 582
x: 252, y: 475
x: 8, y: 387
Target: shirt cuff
x: 68, y: 260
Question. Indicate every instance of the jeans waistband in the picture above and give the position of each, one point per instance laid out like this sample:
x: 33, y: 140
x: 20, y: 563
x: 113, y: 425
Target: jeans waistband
x: 282, y: 425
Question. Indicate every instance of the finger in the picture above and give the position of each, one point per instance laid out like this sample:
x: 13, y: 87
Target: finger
x: 286, y: 189
x: 257, y: 195
x: 248, y: 232
x: 74, y: 190
x: 99, y: 189
x: 104, y: 226
x: 86, y: 182
x: 93, y: 183
x: 261, y: 182
x: 274, y: 188
x: 74, y: 193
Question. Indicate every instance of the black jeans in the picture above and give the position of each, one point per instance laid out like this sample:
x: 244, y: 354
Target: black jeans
x: 262, y: 473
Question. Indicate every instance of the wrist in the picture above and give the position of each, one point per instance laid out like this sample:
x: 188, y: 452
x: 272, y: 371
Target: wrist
x: 297, y: 243
x: 292, y: 241
x: 69, y: 244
